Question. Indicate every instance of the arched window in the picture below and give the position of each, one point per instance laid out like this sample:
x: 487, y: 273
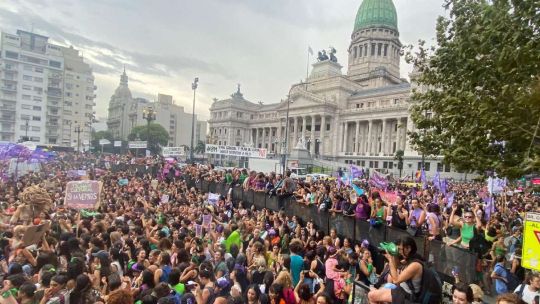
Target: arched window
x: 360, y: 51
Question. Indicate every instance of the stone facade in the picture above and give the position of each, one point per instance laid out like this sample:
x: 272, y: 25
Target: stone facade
x: 361, y: 117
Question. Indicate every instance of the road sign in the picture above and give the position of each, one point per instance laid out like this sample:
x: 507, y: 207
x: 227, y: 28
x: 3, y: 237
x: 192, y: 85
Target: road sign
x: 104, y: 141
x: 137, y: 144
x: 531, y: 241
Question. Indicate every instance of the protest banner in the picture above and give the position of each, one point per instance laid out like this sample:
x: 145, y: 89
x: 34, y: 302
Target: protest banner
x: 213, y: 198
x: 236, y: 151
x: 198, y: 230
x: 172, y: 151
x: 33, y: 234
x: 82, y: 194
x: 206, y: 220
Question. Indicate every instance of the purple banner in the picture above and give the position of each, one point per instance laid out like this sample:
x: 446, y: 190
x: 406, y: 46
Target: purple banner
x: 82, y: 194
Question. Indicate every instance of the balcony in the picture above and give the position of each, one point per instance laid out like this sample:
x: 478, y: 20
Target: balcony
x: 54, y: 105
x: 51, y: 133
x: 54, y: 92
x: 50, y: 124
x: 7, y: 131
x: 53, y: 114
x: 9, y: 88
x: 6, y: 108
x: 7, y: 118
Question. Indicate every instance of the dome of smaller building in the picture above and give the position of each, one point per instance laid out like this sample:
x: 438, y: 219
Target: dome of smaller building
x: 376, y: 13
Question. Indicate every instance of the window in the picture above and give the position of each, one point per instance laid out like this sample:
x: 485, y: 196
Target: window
x: 38, y: 79
x: 39, y: 70
x: 12, y: 55
x: 327, y: 127
x: 37, y: 98
x: 55, y: 64
x: 419, y: 166
x: 440, y: 167
x: 26, y: 97
x: 27, y: 77
x: 385, y: 50
x: 37, y: 129
x: 36, y: 118
x: 36, y: 108
x: 237, y: 143
x: 365, y: 49
x: 354, y: 51
x: 25, y: 117
x: 373, y: 49
x: 358, y: 106
x: 26, y: 106
x: 317, y: 128
x: 27, y: 87
x: 360, y: 51
x: 38, y: 90
x: 34, y: 138
x: 447, y: 168
x: 379, y: 49
x: 28, y: 67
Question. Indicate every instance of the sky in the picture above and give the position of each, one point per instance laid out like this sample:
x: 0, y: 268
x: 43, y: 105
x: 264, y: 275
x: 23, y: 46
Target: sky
x: 260, y: 44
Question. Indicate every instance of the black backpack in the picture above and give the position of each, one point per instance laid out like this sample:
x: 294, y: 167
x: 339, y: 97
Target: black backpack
x: 479, y: 244
x: 430, y: 288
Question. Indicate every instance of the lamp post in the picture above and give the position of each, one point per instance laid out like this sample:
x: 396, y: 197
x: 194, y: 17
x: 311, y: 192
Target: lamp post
x: 26, y: 129
x: 149, y: 114
x: 194, y: 88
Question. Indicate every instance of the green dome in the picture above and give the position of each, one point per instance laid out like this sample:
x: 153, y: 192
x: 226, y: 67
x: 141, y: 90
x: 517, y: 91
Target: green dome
x: 376, y: 13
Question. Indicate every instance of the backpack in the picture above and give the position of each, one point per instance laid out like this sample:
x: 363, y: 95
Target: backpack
x: 513, y: 281
x: 431, y: 287
x: 520, y: 291
x: 479, y: 244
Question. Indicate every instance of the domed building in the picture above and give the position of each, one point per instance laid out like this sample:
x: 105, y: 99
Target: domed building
x: 359, y: 118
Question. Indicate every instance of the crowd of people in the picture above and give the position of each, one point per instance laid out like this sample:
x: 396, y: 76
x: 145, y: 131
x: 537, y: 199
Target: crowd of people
x: 155, y: 239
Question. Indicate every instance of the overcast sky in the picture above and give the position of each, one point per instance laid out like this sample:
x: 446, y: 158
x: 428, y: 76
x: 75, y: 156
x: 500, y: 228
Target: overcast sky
x: 261, y: 44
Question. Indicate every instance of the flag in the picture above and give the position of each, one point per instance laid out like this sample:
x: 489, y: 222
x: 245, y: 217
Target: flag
x: 489, y: 207
x: 496, y: 185
x: 356, y: 172
x: 339, y: 182
x: 357, y: 189
x: 377, y: 180
x: 444, y: 186
x: 437, y: 181
x: 450, y: 200
x: 310, y: 50
x: 423, y: 179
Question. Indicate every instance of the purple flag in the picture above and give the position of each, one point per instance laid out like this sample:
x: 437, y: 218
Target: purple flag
x: 489, y: 206
x: 377, y: 180
x: 450, y: 200
x: 356, y: 172
x: 444, y: 186
x: 423, y: 179
x: 437, y: 181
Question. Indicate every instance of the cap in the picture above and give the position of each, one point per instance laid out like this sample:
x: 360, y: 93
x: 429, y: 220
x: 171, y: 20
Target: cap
x: 102, y: 254
x: 389, y: 247
x: 222, y: 283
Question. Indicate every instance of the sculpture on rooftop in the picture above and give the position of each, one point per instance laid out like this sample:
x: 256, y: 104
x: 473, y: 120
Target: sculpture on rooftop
x: 324, y: 56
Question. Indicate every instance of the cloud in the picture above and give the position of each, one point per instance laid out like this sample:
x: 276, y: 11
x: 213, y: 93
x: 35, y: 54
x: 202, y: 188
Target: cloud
x: 164, y: 44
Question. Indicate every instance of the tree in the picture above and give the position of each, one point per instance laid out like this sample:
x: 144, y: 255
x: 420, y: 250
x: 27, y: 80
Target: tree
x: 478, y: 102
x: 200, y: 148
x: 97, y: 136
x: 399, y: 157
x: 158, y: 136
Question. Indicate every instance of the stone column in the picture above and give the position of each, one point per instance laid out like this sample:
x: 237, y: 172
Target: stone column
x: 256, y: 143
x: 295, y: 138
x: 279, y: 139
x: 304, y: 125
x: 410, y: 127
x: 383, y: 137
x: 321, y: 135
x: 369, y: 139
x: 398, y: 134
x: 357, y: 137
x: 345, y: 137
x: 312, y: 144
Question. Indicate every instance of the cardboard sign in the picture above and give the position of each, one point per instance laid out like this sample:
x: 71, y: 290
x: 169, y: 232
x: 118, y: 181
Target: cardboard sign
x: 164, y: 198
x: 154, y: 183
x: 34, y: 234
x: 82, y: 194
x: 198, y: 230
x: 123, y: 182
x: 213, y: 198
x: 206, y: 220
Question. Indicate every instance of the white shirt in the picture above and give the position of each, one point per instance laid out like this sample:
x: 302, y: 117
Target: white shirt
x: 528, y: 295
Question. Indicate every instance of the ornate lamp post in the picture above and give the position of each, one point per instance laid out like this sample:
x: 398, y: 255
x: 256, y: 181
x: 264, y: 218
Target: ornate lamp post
x: 150, y: 115
x: 194, y: 86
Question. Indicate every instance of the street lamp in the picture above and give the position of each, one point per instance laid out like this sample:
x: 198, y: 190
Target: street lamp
x: 26, y: 129
x: 194, y: 88
x: 149, y: 114
x: 78, y: 130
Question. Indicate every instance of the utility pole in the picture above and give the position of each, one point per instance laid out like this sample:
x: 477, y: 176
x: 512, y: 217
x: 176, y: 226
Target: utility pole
x: 78, y: 131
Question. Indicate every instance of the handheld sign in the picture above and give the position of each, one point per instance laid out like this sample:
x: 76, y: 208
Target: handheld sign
x: 213, y: 198
x: 531, y: 241
x: 206, y: 220
x: 164, y: 198
x: 82, y: 194
x: 198, y: 230
x: 34, y: 234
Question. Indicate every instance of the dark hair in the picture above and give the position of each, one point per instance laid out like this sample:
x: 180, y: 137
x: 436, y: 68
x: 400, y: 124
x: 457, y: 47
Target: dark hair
x: 17, y: 279
x: 174, y: 276
x: 165, y: 258
x: 114, y: 281
x: 277, y: 289
x: 466, y: 289
x: 255, y: 288
x: 148, y: 278
x: 60, y: 279
x: 304, y: 292
x: 28, y: 289
x: 82, y: 284
x: 148, y: 299
x: 408, y: 241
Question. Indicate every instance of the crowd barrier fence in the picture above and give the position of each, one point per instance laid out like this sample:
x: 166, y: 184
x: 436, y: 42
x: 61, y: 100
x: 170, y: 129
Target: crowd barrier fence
x: 442, y: 256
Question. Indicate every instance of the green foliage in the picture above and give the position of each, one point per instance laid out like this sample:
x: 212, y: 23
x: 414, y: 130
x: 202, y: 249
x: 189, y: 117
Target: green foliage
x: 96, y: 136
x: 478, y: 102
x: 158, y: 136
x: 200, y: 148
x: 399, y: 157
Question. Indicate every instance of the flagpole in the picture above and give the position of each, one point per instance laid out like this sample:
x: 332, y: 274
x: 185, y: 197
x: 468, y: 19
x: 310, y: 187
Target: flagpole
x: 307, y: 66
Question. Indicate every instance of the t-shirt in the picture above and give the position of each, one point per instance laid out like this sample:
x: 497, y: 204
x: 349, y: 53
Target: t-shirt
x: 179, y: 288
x: 528, y: 295
x: 500, y: 285
x: 297, y: 264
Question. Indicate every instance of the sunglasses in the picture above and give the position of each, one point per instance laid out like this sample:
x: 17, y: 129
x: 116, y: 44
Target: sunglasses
x: 468, y: 216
